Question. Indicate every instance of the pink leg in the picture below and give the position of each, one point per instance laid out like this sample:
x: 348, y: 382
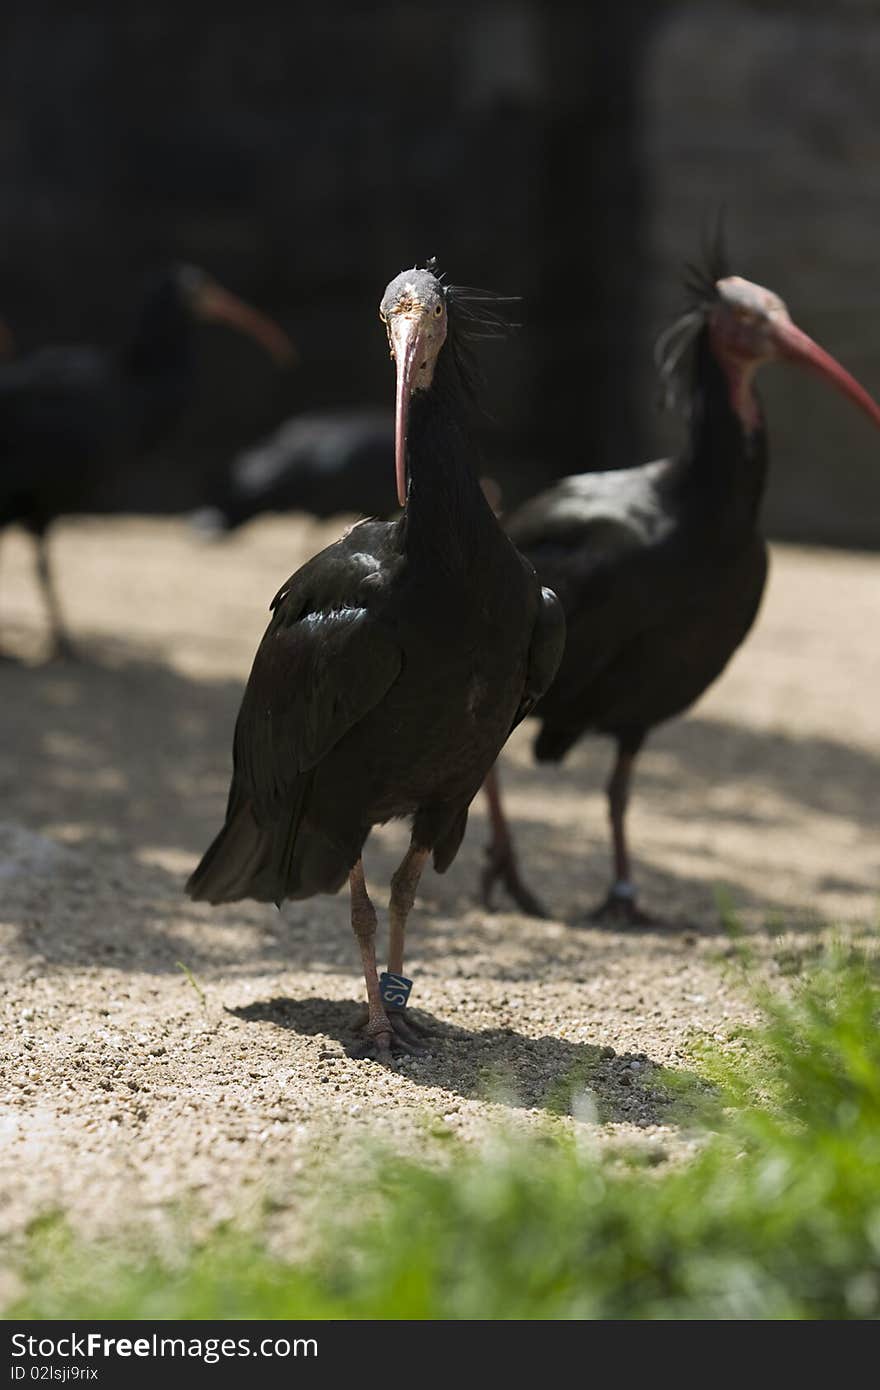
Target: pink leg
x: 387, y: 1033
x: 403, y: 893
x: 502, y: 863
x: 620, y: 905
x: 363, y: 923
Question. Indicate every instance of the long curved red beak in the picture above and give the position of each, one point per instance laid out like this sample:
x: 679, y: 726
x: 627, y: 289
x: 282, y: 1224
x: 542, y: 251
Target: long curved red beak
x: 795, y: 346
x: 406, y: 340
x: 217, y: 305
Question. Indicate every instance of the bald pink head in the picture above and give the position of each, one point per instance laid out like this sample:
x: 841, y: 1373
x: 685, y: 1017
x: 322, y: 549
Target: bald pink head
x: 750, y: 325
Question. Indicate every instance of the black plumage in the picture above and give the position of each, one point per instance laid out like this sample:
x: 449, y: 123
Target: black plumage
x: 660, y: 569
x: 395, y: 665
x: 70, y: 416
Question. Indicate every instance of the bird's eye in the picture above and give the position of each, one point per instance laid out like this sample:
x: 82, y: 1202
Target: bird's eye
x: 438, y: 310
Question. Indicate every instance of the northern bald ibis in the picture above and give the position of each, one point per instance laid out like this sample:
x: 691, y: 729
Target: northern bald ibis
x: 660, y: 569
x: 395, y: 665
x: 70, y: 415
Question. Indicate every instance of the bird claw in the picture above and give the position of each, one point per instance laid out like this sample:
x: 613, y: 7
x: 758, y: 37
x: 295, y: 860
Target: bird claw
x: 375, y: 1049
x: 405, y: 1026
x: 501, y: 868
x: 401, y: 1037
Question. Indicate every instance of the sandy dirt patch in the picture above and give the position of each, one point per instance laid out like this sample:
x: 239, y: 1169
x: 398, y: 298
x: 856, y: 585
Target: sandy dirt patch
x: 124, y: 1094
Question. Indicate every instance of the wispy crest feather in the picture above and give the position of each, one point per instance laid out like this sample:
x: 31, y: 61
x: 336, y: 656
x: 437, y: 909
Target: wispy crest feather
x: 672, y: 350
x: 474, y: 315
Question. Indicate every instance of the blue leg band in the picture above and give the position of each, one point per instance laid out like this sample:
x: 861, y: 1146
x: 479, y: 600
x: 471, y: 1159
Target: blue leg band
x: 394, y: 990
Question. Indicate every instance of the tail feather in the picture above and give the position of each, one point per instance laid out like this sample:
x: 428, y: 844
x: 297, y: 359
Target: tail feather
x: 286, y: 858
x: 234, y: 864
x: 448, y: 846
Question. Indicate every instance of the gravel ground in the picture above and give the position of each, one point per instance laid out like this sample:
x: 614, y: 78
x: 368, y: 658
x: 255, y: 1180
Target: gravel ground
x: 127, y: 1089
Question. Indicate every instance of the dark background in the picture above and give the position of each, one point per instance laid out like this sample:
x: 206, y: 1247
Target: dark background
x: 569, y: 153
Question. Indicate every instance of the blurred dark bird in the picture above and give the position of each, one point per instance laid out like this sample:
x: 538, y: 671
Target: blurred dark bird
x: 321, y: 462
x: 71, y: 415
x: 395, y: 665
x: 660, y: 569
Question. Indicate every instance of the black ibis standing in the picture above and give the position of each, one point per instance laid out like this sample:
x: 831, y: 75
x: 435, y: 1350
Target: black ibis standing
x: 71, y: 415
x: 660, y: 569
x: 395, y: 665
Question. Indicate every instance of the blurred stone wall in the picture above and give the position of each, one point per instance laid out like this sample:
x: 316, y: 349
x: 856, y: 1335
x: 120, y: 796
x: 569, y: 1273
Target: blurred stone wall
x: 307, y: 154
x: 565, y: 152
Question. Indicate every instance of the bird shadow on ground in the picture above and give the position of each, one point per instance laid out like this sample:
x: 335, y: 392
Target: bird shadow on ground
x: 124, y: 761
x: 499, y: 1064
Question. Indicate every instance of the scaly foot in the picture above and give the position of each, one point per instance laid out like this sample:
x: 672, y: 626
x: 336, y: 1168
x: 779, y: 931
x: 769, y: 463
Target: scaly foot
x: 398, y: 1036
x: 405, y: 1027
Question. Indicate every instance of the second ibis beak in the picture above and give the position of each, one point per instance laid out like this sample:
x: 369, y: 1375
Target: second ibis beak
x: 794, y: 346
x: 217, y: 305
x: 407, y: 342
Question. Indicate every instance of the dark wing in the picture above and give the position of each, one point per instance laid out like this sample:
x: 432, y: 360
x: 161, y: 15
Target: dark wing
x: 594, y: 540
x: 591, y: 523
x: 318, y: 671
x: 324, y: 663
x: 326, y: 660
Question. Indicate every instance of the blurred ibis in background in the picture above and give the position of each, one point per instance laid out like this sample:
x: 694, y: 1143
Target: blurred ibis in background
x: 660, y: 569
x: 71, y: 414
x: 393, y: 669
x: 321, y: 462
x: 324, y: 463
